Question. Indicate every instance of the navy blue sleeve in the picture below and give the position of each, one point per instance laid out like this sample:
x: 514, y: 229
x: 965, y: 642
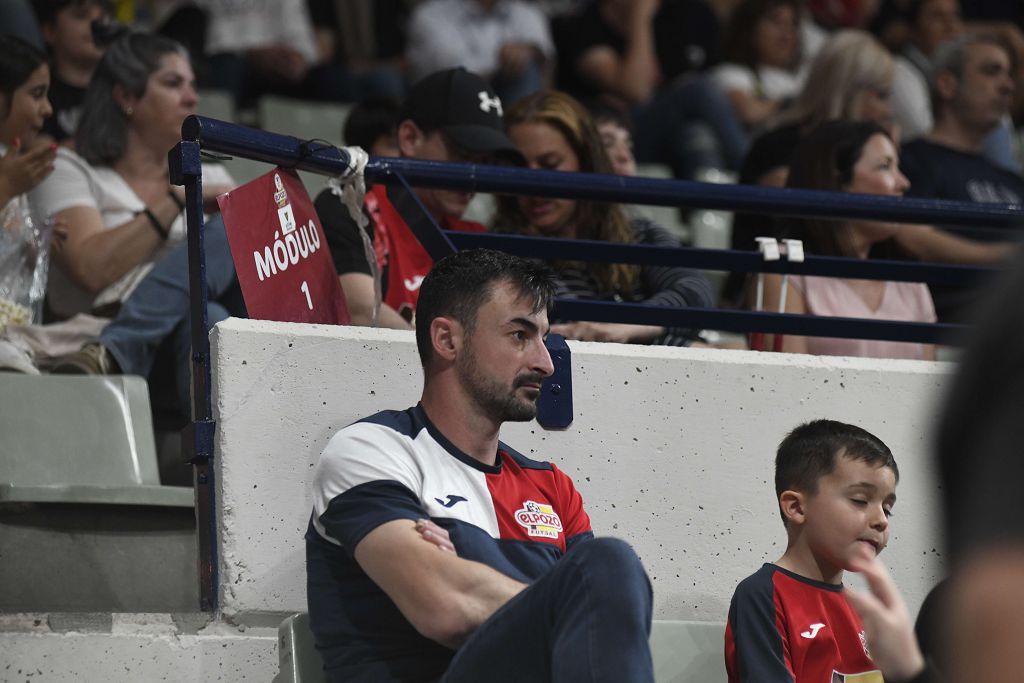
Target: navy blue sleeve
x: 757, y: 649
x: 352, y: 515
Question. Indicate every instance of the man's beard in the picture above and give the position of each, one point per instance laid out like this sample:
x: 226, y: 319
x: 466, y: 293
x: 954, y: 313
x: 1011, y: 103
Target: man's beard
x: 498, y: 402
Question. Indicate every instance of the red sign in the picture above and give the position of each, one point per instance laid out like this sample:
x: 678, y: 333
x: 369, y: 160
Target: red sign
x: 280, y: 252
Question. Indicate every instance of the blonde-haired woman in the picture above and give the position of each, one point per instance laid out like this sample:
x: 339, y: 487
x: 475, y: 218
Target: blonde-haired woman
x: 554, y: 132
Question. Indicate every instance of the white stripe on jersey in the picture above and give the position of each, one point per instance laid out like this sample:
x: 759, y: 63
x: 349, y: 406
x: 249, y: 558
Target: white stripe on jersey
x: 365, y: 452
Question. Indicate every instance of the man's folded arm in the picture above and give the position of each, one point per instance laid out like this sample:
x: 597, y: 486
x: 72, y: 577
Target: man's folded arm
x: 443, y: 596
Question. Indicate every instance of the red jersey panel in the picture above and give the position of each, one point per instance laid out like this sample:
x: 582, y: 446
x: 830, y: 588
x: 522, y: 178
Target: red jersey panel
x: 396, y: 247
x: 787, y: 628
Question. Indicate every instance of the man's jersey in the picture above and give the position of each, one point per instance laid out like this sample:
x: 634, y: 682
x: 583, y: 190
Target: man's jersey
x: 519, y: 517
x: 784, y: 627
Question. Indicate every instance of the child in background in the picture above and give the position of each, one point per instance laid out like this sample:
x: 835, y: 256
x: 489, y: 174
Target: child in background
x: 373, y: 125
x: 25, y: 160
x: 790, y: 621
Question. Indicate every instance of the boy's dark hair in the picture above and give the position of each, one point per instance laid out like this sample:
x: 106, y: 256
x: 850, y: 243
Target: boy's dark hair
x: 458, y: 285
x: 603, y: 112
x: 810, y: 451
x: 369, y: 120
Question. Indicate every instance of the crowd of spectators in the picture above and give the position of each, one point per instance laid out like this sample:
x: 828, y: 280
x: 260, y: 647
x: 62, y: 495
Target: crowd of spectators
x: 595, y: 85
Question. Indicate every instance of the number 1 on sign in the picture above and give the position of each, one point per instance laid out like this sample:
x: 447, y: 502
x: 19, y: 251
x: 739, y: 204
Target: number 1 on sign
x: 305, y: 290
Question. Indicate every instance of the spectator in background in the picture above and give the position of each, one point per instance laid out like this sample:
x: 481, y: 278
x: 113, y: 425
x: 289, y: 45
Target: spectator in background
x: 972, y: 89
x: 616, y: 131
x: 508, y: 42
x: 271, y: 47
x: 16, y: 19
x: 373, y: 125
x: 650, y: 57
x: 857, y: 157
x: 365, y: 41
x: 762, y: 48
x: 451, y: 115
x: 25, y: 160
x: 66, y: 26
x: 125, y: 250
x: 554, y: 132
x: 932, y: 23
x: 850, y: 79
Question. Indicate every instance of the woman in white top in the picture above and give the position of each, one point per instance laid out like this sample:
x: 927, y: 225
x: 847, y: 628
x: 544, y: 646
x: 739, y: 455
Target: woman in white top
x: 857, y: 157
x: 125, y: 254
x: 762, y: 69
x: 113, y: 193
x: 25, y: 160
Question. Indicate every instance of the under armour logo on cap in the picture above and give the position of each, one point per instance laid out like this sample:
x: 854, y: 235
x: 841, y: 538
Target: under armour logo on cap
x: 487, y: 102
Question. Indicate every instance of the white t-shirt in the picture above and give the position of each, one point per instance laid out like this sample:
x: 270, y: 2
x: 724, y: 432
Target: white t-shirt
x: 234, y: 26
x: 768, y: 82
x: 73, y: 183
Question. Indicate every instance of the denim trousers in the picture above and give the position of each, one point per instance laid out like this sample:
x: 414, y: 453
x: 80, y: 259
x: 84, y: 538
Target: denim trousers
x: 155, y: 317
x: 690, y: 125
x: 587, y: 620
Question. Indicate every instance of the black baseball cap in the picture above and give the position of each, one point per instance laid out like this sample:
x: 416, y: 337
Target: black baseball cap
x: 460, y: 104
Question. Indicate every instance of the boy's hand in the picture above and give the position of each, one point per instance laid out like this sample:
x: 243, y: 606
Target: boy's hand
x: 887, y: 625
x: 432, y: 533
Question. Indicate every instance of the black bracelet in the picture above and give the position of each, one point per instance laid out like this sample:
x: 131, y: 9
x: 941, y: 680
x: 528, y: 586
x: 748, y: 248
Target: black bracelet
x: 180, y: 204
x: 161, y: 230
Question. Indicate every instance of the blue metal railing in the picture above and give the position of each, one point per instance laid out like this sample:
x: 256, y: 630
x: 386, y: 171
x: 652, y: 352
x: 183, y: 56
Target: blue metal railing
x: 200, y: 134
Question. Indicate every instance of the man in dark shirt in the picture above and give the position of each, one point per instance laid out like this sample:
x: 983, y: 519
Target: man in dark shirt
x: 451, y: 115
x: 972, y: 89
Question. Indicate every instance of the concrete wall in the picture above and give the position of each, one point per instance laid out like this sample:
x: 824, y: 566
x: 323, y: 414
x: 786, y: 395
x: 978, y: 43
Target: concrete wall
x: 672, y: 450
x: 132, y: 648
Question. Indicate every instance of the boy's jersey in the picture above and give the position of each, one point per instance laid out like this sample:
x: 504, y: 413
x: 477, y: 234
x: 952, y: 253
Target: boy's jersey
x: 787, y: 628
x: 518, y: 516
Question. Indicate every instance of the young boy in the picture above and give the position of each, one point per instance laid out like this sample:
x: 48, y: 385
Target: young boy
x: 790, y: 621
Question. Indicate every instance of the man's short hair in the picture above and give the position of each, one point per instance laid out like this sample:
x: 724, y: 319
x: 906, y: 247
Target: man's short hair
x: 459, y: 285
x: 811, y: 451
x: 951, y: 57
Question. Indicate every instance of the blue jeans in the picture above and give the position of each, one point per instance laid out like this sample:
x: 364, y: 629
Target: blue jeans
x: 689, y: 124
x: 158, y: 310
x: 587, y: 620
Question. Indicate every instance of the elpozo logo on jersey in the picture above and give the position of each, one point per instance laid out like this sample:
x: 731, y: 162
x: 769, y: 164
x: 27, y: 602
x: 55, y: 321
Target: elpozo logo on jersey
x: 539, y: 519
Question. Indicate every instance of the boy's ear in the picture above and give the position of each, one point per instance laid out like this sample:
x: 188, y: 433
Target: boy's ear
x: 792, y: 503
x: 410, y: 138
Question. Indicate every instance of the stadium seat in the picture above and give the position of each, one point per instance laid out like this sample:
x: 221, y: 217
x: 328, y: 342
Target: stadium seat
x: 688, y: 651
x: 684, y: 652
x: 667, y: 217
x: 298, y: 660
x: 80, y: 440
x: 216, y: 104
x: 303, y: 119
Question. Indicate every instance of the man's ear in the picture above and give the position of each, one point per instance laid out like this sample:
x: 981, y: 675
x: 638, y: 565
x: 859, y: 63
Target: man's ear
x: 410, y: 138
x: 792, y: 504
x: 946, y: 84
x: 446, y: 337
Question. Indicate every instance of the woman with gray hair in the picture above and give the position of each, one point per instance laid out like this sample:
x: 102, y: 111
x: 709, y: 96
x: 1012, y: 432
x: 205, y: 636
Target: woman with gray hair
x: 125, y: 255
x: 113, y: 193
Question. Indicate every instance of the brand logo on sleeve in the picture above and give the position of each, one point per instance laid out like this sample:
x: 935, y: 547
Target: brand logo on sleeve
x: 452, y: 500
x: 539, y: 519
x: 812, y: 630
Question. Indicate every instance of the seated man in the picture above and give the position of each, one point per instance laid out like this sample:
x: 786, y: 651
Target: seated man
x: 972, y: 89
x: 450, y: 115
x: 521, y: 591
